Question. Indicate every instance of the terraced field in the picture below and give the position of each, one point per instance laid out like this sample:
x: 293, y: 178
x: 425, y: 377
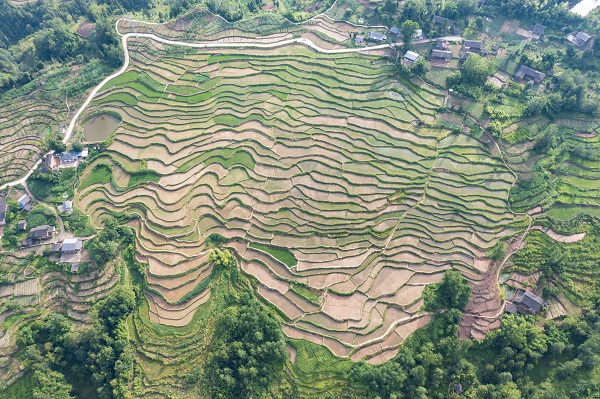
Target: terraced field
x: 340, y: 202
x: 37, y: 109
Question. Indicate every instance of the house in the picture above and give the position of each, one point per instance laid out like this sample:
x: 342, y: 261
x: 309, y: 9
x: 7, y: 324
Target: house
x: 458, y: 389
x: 419, y: 34
x: 359, y: 39
x: 410, y: 57
x: 24, y: 200
x: 466, y: 55
x: 42, y: 232
x: 441, y: 44
x: 3, y: 210
x: 537, y: 31
x: 69, y: 157
x: 52, y: 162
x: 527, y: 302
x: 510, y: 308
x: 441, y: 54
x: 26, y: 242
x: 526, y: 73
x: 67, y: 206
x: 22, y: 225
x: 55, y: 248
x: 28, y: 207
x: 480, y: 3
x: 582, y: 38
x: 394, y: 30
x: 71, y: 246
x: 442, y: 22
x: 473, y: 45
x: 376, y: 36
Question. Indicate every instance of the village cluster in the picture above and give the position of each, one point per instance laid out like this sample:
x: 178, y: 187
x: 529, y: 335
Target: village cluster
x: 441, y: 54
x: 62, y: 249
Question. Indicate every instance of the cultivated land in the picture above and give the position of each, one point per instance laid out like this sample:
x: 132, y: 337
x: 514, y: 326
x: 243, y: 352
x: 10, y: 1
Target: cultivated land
x: 288, y: 148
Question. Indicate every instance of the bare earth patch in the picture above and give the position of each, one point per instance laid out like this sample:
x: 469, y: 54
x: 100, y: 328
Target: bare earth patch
x: 564, y: 238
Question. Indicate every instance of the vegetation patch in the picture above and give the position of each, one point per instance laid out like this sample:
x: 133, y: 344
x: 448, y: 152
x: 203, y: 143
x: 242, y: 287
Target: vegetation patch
x: 282, y: 255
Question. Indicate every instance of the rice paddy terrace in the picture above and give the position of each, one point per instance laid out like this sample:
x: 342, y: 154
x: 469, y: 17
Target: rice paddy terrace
x: 35, y: 110
x: 340, y: 199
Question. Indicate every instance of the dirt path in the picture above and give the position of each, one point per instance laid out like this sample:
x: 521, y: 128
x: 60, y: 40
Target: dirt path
x: 485, y: 306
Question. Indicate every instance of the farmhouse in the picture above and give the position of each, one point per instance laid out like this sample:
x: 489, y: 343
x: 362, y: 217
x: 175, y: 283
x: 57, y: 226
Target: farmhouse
x: 527, y: 302
x: 410, y: 57
x: 442, y: 22
x: 441, y: 44
x: 376, y: 36
x: 473, y: 45
x: 510, y: 308
x: 580, y: 39
x: 419, y: 34
x: 3, y: 209
x: 394, y: 30
x: 441, y: 54
x: 537, y: 31
x: 24, y: 200
x: 72, y: 156
x: 67, y: 207
x: 42, y: 232
x: 71, y: 245
x: 359, y: 39
x: 52, y: 162
x: 526, y: 73
x: 22, y: 225
x: 70, y: 252
x: 54, y: 248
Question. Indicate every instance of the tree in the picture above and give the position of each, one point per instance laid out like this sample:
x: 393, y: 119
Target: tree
x: 247, y: 352
x: 119, y: 303
x: 452, y: 292
x: 476, y: 69
x: 77, y: 146
x: 498, y: 251
x: 390, y: 7
x: 408, y: 29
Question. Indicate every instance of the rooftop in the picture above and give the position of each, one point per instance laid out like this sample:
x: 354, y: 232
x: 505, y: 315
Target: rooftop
x: 529, y: 300
x: 474, y: 44
x: 583, y: 37
x: 394, y: 30
x: 71, y: 245
x: 24, y: 200
x: 377, y: 36
x: 41, y: 231
x: 411, y: 56
x: 441, y: 54
x: 525, y: 71
x: 538, y: 29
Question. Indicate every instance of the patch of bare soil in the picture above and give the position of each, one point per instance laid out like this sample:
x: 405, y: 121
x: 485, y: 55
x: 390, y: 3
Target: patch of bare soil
x: 564, y: 238
x: 510, y: 26
x: 586, y: 135
x: 85, y: 29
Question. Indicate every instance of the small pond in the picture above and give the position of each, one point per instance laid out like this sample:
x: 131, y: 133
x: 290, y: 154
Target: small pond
x: 99, y: 128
